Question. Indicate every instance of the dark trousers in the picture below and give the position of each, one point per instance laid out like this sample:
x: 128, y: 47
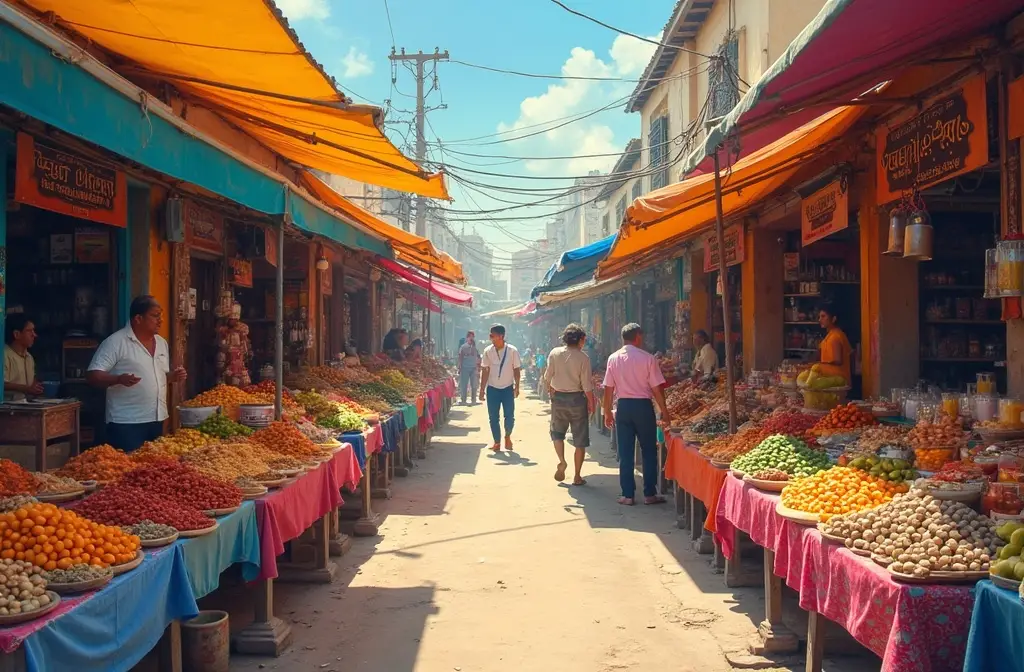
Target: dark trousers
x: 131, y: 437
x: 498, y: 399
x: 635, y: 421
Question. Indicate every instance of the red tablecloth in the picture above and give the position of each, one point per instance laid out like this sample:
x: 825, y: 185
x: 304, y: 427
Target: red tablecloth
x: 449, y: 388
x: 694, y: 474
x: 914, y: 628
x: 283, y: 515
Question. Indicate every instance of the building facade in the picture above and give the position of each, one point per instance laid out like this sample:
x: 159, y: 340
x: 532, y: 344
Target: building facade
x: 622, y: 187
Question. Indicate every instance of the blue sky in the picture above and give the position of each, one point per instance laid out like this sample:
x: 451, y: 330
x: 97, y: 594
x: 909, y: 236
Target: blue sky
x: 352, y: 40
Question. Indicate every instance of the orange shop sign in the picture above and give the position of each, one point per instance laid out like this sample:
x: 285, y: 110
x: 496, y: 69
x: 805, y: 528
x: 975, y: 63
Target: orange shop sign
x: 204, y: 228
x: 734, y: 250
x: 948, y: 138
x: 60, y: 181
x: 825, y: 211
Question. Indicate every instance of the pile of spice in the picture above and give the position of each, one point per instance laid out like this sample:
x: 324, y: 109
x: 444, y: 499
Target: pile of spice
x: 184, y: 485
x: 103, y: 463
x: 121, y: 505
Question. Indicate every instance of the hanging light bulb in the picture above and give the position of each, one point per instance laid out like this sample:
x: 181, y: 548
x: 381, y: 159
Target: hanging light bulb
x: 322, y: 264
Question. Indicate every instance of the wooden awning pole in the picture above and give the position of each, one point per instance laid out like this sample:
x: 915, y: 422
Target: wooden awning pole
x: 730, y: 384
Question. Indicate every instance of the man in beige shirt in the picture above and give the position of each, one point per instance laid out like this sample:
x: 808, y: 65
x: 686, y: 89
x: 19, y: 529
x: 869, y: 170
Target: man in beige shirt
x: 568, y: 378
x: 19, y: 366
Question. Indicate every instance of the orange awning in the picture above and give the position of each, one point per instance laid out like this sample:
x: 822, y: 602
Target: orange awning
x: 240, y: 58
x: 408, y: 247
x: 656, y: 223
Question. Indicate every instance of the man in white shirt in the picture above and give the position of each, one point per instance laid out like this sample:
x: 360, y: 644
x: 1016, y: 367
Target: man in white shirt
x: 706, y: 361
x: 499, y: 384
x: 133, y: 365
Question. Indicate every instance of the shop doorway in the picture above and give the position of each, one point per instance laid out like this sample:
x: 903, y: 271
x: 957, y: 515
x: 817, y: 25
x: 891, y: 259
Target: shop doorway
x: 199, y: 351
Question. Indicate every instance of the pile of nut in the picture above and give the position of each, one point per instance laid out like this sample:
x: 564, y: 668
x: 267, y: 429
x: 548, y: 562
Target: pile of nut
x: 147, y: 530
x: 917, y: 534
x: 51, y: 484
x: 8, y: 504
x: 770, y: 475
x: 22, y: 588
x: 77, y: 574
x: 227, y: 462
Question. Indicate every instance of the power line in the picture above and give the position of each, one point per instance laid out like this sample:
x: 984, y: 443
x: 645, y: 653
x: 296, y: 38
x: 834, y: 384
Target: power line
x: 391, y: 29
x: 627, y: 33
x: 534, y: 75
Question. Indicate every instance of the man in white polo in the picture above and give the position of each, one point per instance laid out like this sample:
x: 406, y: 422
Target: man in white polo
x: 133, y: 365
x: 500, y: 371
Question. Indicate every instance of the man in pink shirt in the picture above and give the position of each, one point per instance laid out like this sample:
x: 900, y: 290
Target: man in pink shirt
x: 633, y: 378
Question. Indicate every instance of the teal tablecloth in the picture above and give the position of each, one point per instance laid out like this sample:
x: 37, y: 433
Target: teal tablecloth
x: 996, y: 641
x: 236, y: 539
x: 410, y: 416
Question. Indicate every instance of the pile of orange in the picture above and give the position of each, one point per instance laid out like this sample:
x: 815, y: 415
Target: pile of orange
x: 839, y: 490
x: 55, y: 538
x: 843, y: 418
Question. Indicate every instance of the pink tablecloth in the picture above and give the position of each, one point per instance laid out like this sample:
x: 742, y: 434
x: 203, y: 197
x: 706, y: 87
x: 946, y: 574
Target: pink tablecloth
x: 283, y: 515
x: 913, y: 628
x: 374, y: 440
x: 449, y: 388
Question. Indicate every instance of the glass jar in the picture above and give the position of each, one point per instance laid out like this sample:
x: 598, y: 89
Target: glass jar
x: 1009, y: 469
x: 1010, y: 261
x: 933, y: 458
x: 911, y: 405
x: 989, y: 465
x: 1010, y: 409
x: 991, y: 273
x: 986, y: 383
x: 986, y: 407
x: 951, y: 404
x: 1002, y: 501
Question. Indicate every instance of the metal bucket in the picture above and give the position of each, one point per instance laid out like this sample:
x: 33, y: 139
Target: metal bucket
x: 917, y: 244
x: 206, y: 642
x: 897, y: 233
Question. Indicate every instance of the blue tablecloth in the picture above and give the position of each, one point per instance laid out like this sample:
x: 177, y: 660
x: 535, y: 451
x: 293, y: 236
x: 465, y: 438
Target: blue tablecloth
x: 409, y: 417
x: 114, y: 628
x: 996, y: 641
x: 236, y: 539
x: 392, y: 431
x: 358, y: 442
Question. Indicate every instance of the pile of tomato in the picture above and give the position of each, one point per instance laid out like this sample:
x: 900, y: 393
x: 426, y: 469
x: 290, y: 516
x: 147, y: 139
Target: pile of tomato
x: 184, y: 485
x: 121, y: 504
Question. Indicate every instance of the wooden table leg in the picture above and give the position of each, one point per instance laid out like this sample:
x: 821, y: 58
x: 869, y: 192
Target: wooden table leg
x: 702, y: 540
x: 311, y: 553
x: 815, y: 641
x: 76, y: 440
x: 738, y: 570
x: 680, y: 501
x: 380, y: 473
x: 41, y: 445
x: 339, y: 543
x: 402, y: 461
x: 169, y: 649
x: 368, y: 522
x: 14, y: 661
x: 772, y: 635
x: 421, y: 444
x: 267, y: 635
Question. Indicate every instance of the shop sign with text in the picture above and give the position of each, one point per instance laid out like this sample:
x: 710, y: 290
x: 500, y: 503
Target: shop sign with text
x: 734, y: 252
x: 60, y: 181
x: 948, y: 138
x: 825, y: 211
x: 241, y: 272
x: 204, y: 228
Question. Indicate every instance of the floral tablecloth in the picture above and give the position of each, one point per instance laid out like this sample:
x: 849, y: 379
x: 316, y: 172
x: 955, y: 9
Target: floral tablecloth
x: 913, y: 628
x: 694, y: 474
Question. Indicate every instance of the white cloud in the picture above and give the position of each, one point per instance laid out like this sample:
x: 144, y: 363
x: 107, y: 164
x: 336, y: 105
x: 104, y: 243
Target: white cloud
x: 297, y: 10
x: 628, y: 57
x: 356, y: 64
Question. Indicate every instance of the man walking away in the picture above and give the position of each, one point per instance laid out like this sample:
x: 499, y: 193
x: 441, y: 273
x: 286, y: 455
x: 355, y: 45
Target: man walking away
x: 469, y: 362
x: 499, y: 384
x: 633, y: 378
x: 572, y: 398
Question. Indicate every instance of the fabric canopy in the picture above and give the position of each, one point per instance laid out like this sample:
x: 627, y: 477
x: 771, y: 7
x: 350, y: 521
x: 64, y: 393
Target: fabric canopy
x: 574, y: 266
x: 409, y: 248
x: 416, y: 298
x: 239, y: 58
x: 585, y: 290
x: 443, y: 290
x: 662, y: 219
x: 848, y: 48
x: 505, y: 312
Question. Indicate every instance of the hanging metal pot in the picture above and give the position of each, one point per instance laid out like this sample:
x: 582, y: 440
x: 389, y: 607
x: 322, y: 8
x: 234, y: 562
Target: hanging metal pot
x: 917, y: 243
x: 897, y: 233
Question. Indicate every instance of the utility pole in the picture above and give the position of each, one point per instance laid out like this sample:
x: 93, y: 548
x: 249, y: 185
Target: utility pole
x: 420, y: 59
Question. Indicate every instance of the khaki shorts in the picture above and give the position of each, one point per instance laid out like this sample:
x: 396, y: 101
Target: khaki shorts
x: 569, y: 411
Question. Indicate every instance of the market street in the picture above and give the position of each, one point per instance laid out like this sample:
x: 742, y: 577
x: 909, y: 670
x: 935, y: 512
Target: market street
x: 486, y: 563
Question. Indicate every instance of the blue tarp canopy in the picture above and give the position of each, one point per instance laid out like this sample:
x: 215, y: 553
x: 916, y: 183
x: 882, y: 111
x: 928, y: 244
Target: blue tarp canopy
x: 574, y: 266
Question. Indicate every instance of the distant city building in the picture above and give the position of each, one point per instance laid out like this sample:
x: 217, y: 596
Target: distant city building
x: 528, y: 268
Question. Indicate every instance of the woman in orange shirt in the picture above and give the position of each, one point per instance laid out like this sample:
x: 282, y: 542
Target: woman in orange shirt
x: 835, y: 347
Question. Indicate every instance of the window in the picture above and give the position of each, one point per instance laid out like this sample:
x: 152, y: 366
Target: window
x: 657, y: 142
x: 637, y: 188
x: 724, y: 77
x: 620, y: 211
x: 604, y: 225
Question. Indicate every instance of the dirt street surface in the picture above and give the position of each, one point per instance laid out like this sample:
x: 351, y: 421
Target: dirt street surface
x: 485, y: 563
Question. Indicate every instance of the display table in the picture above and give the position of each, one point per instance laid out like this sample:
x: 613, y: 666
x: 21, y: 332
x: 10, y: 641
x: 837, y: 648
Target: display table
x: 38, y: 425
x: 109, y: 630
x: 698, y: 486
x: 236, y: 540
x: 911, y: 627
x: 996, y: 640
x: 409, y: 419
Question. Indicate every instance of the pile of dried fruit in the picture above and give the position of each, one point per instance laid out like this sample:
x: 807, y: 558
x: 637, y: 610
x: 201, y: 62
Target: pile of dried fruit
x: 102, y: 463
x: 711, y: 423
x: 173, y: 445
x: 792, y: 423
x: 225, y: 396
x: 313, y: 432
x: 184, y: 485
x: 15, y: 479
x: 785, y: 453
x: 285, y: 438
x: 728, y: 447
x: 770, y: 475
x: 918, y: 534
x: 8, y: 504
x: 229, y: 462
x: 380, y: 390
x: 874, y: 439
x: 369, y: 405
x: 343, y: 376
x: 120, y: 504
x: 842, y: 419
x: 839, y: 490
x: 147, y: 530
x: 53, y: 538
x: 50, y: 484
x: 22, y: 588
x: 222, y: 427
x: 77, y: 574
x: 399, y: 381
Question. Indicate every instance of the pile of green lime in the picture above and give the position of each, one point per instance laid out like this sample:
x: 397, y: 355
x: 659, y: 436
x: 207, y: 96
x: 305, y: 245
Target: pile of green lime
x: 785, y: 453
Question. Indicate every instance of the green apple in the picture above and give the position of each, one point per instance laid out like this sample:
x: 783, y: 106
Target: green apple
x: 1017, y: 538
